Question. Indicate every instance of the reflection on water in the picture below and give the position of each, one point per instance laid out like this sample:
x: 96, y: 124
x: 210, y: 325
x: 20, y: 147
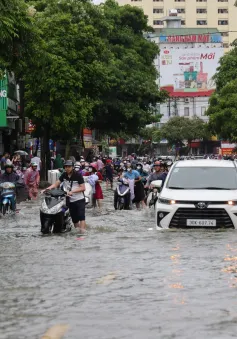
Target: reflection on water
x: 120, y: 281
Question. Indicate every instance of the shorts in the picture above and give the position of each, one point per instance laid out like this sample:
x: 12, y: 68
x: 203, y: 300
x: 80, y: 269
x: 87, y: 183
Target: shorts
x: 77, y: 210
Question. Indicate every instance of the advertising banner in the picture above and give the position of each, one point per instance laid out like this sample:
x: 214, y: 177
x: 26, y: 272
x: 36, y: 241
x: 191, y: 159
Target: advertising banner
x: 87, y: 138
x: 3, y: 102
x: 189, y: 72
x: 227, y: 148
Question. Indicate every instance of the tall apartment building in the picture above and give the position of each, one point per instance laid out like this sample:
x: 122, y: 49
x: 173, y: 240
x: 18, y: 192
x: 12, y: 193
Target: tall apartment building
x: 221, y: 14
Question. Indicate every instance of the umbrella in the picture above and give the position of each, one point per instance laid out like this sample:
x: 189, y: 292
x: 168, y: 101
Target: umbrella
x: 21, y: 152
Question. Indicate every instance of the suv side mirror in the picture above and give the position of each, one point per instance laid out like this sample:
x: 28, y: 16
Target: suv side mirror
x: 157, y: 183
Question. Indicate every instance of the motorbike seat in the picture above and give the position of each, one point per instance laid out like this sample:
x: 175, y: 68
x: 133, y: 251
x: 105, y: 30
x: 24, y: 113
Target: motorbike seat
x: 56, y: 193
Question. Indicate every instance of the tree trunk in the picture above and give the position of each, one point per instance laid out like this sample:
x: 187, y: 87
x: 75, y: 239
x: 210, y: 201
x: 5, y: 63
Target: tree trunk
x: 45, y: 154
x: 67, y: 150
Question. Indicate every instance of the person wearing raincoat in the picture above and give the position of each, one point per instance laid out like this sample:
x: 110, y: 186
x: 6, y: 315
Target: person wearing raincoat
x: 32, y: 179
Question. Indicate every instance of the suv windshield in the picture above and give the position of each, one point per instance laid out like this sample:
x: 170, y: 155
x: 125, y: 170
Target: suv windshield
x: 203, y: 178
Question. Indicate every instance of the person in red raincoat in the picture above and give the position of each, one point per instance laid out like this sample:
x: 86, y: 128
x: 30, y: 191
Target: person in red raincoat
x: 32, y: 179
x: 98, y: 195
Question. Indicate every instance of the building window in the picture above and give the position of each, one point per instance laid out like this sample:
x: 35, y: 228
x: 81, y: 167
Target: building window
x: 186, y: 111
x: 179, y: 0
x: 222, y: 0
x: 136, y: 0
x: 183, y: 23
x: 201, y: 22
x: 201, y: 10
x: 157, y: 0
x: 201, y: 0
x: 180, y: 10
x: 203, y: 110
x: 225, y: 34
x: 223, y: 10
x: 158, y: 22
x: 158, y: 10
x: 225, y: 45
x: 223, y: 22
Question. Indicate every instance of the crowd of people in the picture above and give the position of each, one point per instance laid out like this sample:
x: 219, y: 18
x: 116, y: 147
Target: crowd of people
x: 141, y: 171
x: 19, y: 169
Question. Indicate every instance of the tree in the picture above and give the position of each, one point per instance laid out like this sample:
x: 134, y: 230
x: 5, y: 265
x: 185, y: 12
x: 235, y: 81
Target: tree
x: 131, y: 95
x: 64, y: 80
x: 178, y: 129
x: 17, y: 34
x: 92, y: 67
x: 222, y: 111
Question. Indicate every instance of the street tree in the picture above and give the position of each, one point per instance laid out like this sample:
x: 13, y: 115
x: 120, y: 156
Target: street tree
x: 93, y: 68
x: 222, y: 110
x: 130, y: 99
x: 64, y: 80
x: 17, y: 34
x: 179, y: 129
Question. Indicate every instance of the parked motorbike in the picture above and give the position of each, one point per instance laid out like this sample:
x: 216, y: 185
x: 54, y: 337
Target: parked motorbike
x: 7, y: 198
x: 54, y: 214
x: 122, y: 195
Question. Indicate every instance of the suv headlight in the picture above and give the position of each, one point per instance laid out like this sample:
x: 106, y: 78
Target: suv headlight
x: 232, y: 202
x: 166, y: 201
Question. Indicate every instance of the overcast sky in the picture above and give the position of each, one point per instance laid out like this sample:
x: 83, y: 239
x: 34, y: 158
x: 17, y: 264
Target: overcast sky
x: 97, y: 1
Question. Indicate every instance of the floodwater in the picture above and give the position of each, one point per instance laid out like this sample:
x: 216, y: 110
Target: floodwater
x: 120, y: 281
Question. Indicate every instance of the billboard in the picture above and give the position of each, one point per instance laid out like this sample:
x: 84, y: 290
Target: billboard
x: 87, y: 137
x: 189, y: 72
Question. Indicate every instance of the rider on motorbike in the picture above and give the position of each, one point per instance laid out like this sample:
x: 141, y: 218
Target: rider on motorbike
x: 157, y: 175
x: 10, y: 176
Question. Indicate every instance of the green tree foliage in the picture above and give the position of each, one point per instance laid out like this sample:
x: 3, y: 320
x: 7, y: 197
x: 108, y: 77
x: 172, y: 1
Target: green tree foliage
x: 94, y: 68
x: 223, y: 111
x: 132, y: 93
x: 178, y: 129
x: 223, y: 103
x: 17, y: 34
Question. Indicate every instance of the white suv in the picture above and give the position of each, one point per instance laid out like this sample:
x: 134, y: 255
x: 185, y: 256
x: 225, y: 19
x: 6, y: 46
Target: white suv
x: 197, y: 194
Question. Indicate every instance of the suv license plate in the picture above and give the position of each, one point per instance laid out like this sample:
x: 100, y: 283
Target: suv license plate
x: 201, y: 222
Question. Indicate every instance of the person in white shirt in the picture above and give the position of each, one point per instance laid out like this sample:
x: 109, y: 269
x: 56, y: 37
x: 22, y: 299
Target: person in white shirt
x: 37, y: 160
x: 146, y: 167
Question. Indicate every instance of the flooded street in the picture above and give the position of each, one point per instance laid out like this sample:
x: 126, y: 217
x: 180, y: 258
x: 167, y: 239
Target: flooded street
x: 119, y: 281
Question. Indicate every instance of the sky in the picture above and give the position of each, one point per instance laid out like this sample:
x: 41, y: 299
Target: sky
x: 97, y: 1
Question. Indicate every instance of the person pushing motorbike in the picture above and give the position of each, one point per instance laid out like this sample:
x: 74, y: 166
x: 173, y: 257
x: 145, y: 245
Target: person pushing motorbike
x: 73, y: 182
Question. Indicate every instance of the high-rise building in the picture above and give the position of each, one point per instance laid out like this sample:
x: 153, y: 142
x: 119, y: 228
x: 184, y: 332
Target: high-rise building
x: 221, y: 14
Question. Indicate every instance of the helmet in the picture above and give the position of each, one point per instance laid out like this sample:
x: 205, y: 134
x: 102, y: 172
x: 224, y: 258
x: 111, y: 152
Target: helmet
x: 9, y: 165
x: 93, y: 166
x: 68, y: 163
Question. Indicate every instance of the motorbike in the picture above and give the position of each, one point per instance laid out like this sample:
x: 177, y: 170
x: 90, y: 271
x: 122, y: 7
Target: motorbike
x: 88, y: 192
x: 7, y: 197
x: 54, y: 213
x: 122, y: 195
x: 152, y: 197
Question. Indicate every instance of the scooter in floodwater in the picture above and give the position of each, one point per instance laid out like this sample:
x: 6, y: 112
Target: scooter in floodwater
x: 88, y: 192
x: 7, y: 198
x: 54, y: 213
x: 122, y: 195
x: 152, y: 197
